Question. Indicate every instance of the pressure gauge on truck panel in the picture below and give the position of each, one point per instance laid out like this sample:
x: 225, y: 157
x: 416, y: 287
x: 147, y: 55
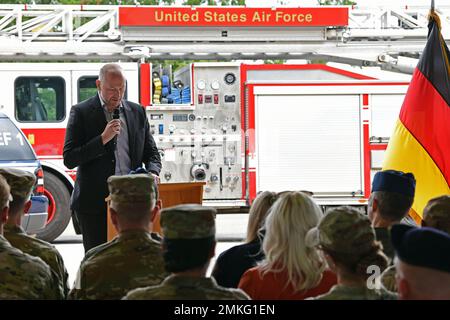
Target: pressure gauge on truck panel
x: 230, y: 78
x: 201, y: 84
x: 215, y: 85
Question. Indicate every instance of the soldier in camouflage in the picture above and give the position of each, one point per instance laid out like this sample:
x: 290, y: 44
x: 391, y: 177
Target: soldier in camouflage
x: 347, y: 240
x: 188, y: 246
x: 21, y: 183
x: 133, y: 258
x: 436, y: 214
x: 22, y: 276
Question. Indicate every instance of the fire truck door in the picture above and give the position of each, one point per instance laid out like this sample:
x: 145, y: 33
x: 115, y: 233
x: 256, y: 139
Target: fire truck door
x: 308, y: 142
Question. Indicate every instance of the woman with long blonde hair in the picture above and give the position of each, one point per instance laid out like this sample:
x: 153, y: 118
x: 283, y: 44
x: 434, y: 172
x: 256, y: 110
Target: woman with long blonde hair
x: 232, y: 263
x: 290, y: 270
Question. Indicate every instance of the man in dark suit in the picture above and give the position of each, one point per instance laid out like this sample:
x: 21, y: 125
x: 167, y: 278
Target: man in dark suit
x: 106, y: 135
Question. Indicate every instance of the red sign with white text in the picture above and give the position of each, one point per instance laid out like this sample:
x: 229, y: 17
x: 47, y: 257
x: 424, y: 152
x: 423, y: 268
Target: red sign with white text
x: 232, y: 17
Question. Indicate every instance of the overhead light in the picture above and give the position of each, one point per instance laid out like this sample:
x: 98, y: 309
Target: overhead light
x: 273, y: 54
x: 224, y: 53
x: 201, y: 53
x: 248, y: 53
x: 177, y: 53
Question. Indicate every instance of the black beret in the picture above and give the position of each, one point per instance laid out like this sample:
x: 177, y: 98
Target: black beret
x: 422, y: 247
x: 394, y: 181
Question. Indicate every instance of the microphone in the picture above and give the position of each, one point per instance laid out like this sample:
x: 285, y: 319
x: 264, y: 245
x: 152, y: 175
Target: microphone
x: 116, y: 115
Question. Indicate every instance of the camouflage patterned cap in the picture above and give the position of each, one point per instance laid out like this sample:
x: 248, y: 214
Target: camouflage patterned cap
x: 131, y: 188
x: 5, y: 194
x: 436, y: 213
x: 21, y: 182
x: 343, y: 230
x: 188, y: 221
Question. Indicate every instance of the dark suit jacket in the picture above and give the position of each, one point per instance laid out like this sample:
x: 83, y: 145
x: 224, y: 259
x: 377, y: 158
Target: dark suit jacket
x: 232, y: 263
x: 83, y: 148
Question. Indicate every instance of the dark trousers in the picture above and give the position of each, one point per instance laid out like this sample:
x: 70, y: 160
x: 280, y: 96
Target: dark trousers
x: 93, y: 227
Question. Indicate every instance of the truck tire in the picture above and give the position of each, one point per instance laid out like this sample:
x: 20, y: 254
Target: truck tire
x: 59, y: 211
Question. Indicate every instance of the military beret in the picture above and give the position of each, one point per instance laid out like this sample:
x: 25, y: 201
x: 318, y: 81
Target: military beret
x: 132, y: 188
x: 343, y: 230
x: 188, y: 221
x: 394, y: 181
x: 21, y: 182
x: 422, y: 247
x: 5, y: 194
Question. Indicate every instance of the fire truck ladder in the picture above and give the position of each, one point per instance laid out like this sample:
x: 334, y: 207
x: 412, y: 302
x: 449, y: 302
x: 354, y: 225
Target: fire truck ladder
x: 389, y: 37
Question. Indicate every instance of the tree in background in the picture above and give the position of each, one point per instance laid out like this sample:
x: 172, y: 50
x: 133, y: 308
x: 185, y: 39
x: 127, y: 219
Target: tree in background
x: 336, y: 2
x: 92, y: 2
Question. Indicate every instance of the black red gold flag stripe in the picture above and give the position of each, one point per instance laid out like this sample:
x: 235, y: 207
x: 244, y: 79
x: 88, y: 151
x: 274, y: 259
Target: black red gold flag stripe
x: 420, y: 142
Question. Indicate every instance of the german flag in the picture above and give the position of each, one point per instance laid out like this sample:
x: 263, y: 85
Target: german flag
x: 420, y: 142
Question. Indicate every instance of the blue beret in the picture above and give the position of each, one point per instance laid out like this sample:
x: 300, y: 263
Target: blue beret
x: 394, y: 181
x: 422, y: 247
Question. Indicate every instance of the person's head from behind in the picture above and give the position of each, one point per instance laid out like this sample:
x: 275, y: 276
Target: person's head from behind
x: 436, y: 213
x: 21, y: 184
x: 5, y: 198
x: 111, y: 84
x: 258, y: 213
x: 290, y: 218
x: 422, y: 262
x: 188, y: 238
x: 133, y: 201
x: 347, y: 239
x: 392, y: 196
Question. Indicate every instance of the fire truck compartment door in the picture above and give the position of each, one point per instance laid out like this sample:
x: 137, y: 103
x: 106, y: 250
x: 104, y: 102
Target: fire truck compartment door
x: 308, y: 142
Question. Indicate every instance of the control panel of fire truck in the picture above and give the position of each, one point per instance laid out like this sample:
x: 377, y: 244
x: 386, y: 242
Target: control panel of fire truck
x: 195, y: 119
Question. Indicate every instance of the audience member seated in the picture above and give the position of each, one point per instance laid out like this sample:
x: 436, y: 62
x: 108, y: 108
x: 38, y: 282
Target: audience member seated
x: 22, y: 276
x: 422, y: 263
x: 389, y: 203
x: 347, y: 240
x: 436, y: 214
x: 290, y: 270
x: 232, y: 263
x: 189, y: 243
x: 22, y: 183
x: 133, y: 258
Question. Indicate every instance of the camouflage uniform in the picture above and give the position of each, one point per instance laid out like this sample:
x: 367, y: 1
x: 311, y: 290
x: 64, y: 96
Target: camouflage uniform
x: 342, y: 292
x: 21, y: 184
x: 187, y: 288
x: 388, y: 279
x: 39, y: 248
x: 25, y: 277
x: 383, y: 235
x: 348, y: 234
x: 187, y: 222
x: 132, y: 259
x: 436, y: 213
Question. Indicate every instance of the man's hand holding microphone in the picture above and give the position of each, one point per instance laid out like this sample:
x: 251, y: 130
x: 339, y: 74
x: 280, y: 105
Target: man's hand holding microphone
x: 113, y: 128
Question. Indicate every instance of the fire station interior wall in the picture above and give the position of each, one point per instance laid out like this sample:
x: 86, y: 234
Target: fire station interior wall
x: 385, y: 109
x: 293, y: 75
x: 308, y: 142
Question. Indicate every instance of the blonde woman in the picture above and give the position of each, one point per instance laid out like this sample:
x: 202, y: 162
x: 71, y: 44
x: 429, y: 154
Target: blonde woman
x: 290, y: 270
x: 232, y: 263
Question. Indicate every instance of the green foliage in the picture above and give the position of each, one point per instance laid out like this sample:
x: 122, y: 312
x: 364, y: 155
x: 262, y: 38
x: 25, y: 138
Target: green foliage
x: 274, y: 61
x: 92, y: 2
x: 336, y: 2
